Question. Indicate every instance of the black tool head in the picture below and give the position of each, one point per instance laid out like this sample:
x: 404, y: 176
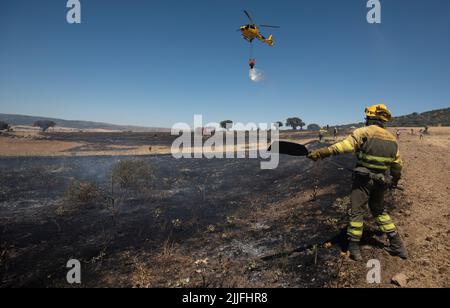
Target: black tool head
x: 289, y: 148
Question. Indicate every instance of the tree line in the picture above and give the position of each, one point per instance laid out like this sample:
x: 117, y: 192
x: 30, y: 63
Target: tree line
x: 294, y: 122
x: 44, y: 125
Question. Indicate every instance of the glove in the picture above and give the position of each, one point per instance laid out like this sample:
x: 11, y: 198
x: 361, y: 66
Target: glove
x: 320, y: 154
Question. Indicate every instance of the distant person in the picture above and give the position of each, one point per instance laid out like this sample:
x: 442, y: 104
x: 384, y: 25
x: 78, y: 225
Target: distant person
x: 398, y: 133
x: 335, y: 133
x: 421, y: 134
x: 379, y: 167
x: 321, y: 134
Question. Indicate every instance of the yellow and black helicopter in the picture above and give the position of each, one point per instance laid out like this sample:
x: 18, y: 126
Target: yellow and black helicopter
x: 251, y: 31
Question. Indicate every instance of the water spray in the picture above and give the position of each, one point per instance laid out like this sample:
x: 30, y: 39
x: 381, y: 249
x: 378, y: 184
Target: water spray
x: 254, y: 74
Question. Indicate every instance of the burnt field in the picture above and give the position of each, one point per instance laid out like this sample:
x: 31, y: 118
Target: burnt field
x: 122, y: 138
x: 142, y: 139
x: 133, y: 138
x: 161, y: 222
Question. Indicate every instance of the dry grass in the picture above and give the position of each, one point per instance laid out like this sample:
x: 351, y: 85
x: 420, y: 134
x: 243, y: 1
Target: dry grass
x: 32, y: 147
x: 143, y: 275
x: 168, y: 250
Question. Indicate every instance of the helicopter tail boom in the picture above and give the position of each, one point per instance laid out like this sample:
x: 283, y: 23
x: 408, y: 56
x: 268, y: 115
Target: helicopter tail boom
x: 269, y: 40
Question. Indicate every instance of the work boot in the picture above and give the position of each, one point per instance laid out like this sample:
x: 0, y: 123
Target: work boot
x: 396, y: 247
x: 355, y: 251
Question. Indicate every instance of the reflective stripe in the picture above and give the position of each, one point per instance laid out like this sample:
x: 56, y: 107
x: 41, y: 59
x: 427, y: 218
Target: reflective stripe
x: 385, y: 223
x: 356, y: 224
x: 374, y: 162
x: 372, y: 166
x: 354, y: 232
x: 387, y: 228
x: 383, y: 219
x: 378, y: 159
x: 355, y: 229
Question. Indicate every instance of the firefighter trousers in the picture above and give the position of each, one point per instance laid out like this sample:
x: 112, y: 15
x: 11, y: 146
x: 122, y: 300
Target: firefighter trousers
x: 368, y: 195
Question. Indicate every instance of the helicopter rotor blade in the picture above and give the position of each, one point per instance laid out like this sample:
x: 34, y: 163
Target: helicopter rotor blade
x: 249, y: 17
x: 267, y: 26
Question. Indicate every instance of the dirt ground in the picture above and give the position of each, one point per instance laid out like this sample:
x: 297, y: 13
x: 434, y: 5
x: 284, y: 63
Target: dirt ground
x: 424, y: 215
x: 208, y: 223
x: 26, y: 143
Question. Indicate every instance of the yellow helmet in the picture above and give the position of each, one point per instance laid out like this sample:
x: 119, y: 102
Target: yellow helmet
x: 380, y: 112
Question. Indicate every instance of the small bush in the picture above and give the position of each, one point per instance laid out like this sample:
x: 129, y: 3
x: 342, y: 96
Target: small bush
x: 143, y: 276
x: 313, y: 127
x: 82, y: 193
x: 132, y: 174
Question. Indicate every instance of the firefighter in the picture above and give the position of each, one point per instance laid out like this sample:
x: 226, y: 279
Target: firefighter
x: 378, y: 168
x: 322, y: 133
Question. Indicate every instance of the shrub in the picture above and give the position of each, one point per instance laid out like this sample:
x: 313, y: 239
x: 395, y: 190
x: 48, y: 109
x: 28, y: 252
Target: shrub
x: 313, y: 127
x: 132, y: 174
x: 82, y: 193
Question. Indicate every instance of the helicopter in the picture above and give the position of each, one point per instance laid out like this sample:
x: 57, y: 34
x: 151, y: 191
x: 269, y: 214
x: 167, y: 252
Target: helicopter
x: 251, y: 31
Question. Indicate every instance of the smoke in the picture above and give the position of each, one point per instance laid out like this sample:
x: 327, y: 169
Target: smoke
x: 256, y: 75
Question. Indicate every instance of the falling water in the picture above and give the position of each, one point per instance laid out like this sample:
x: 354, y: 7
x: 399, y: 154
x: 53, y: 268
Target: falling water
x: 256, y: 75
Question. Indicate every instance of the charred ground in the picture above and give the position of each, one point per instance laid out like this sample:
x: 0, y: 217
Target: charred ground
x: 189, y: 223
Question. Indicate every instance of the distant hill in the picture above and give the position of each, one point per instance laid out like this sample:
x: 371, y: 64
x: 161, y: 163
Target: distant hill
x: 15, y: 119
x: 430, y: 118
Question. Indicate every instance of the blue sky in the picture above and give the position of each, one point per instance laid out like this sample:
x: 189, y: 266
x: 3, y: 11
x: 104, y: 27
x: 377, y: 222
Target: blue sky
x: 158, y: 62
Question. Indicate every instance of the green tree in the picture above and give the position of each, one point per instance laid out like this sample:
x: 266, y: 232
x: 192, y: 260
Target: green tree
x: 302, y: 124
x: 44, y: 124
x: 295, y: 122
x: 227, y: 124
x: 313, y: 127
